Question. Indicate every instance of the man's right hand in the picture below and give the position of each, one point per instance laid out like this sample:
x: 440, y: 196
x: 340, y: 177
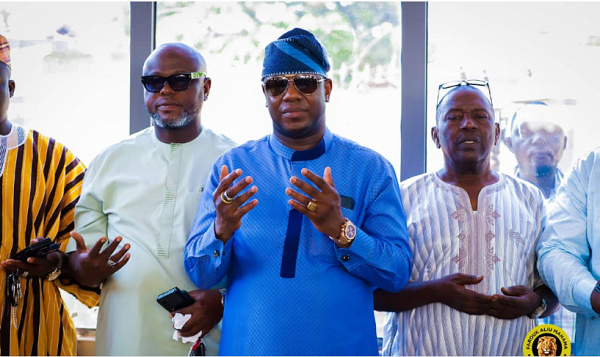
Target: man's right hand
x: 229, y: 214
x: 206, y: 312
x: 90, y: 267
x: 451, y: 290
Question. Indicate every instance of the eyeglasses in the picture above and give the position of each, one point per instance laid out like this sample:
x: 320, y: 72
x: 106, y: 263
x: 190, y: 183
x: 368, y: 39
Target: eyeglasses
x: 305, y: 84
x: 444, y: 88
x: 177, y: 82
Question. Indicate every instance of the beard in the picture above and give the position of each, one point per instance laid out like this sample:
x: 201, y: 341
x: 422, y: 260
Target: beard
x: 298, y: 133
x: 544, y: 170
x: 294, y: 134
x: 184, y: 119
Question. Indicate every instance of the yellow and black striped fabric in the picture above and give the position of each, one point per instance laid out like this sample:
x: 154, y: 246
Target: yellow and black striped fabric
x: 41, y: 183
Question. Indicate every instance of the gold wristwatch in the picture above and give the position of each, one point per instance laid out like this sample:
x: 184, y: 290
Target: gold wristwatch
x: 347, y: 233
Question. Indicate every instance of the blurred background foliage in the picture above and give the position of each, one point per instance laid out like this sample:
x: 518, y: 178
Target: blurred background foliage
x: 362, y: 38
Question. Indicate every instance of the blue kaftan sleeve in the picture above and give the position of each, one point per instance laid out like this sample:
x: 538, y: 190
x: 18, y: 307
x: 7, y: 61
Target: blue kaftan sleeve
x: 206, y: 258
x: 380, y: 253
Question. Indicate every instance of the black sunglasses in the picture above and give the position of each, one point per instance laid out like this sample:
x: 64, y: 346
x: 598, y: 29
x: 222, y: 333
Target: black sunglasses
x: 305, y: 84
x: 444, y: 88
x: 177, y: 82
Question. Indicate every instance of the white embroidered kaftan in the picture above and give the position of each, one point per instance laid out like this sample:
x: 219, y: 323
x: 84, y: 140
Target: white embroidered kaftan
x: 447, y: 236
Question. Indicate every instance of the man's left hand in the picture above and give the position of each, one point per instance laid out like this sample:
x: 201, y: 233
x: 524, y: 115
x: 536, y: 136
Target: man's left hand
x: 322, y: 206
x: 33, y: 267
x: 517, y: 301
x: 206, y: 312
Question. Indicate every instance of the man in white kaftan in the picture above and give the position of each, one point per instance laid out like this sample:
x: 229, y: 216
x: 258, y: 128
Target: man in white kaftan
x: 497, y: 241
x: 474, y: 289
x: 146, y: 190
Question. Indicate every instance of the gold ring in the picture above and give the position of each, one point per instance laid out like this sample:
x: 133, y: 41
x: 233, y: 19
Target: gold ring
x: 226, y: 199
x: 312, y: 206
x: 24, y: 274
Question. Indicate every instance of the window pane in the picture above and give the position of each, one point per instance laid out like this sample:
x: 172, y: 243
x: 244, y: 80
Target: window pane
x: 362, y: 40
x: 70, y: 64
x: 527, y: 56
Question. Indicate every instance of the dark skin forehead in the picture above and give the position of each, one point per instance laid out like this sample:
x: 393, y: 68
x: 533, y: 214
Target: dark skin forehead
x: 443, y: 107
x: 174, y: 50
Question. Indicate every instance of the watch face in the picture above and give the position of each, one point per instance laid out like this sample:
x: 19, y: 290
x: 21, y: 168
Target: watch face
x: 350, y: 231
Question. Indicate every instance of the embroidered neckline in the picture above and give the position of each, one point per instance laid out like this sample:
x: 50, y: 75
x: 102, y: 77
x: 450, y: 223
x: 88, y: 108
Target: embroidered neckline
x: 474, y: 253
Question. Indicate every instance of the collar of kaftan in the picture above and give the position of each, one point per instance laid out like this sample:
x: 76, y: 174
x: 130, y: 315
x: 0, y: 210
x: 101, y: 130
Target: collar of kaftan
x: 14, y: 139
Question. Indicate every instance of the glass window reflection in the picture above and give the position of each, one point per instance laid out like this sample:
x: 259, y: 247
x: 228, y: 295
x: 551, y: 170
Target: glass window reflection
x: 363, y: 41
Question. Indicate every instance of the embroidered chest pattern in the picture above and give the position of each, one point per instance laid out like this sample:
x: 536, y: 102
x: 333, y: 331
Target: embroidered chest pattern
x: 490, y: 257
x: 461, y: 259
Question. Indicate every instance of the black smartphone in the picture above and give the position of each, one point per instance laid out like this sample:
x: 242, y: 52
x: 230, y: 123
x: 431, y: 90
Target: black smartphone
x: 175, y: 299
x: 37, y: 250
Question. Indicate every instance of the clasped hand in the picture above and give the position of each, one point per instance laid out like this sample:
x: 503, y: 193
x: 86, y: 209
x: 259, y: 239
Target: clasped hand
x: 515, y: 301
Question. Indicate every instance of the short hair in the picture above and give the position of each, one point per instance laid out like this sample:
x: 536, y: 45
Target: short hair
x: 191, y: 51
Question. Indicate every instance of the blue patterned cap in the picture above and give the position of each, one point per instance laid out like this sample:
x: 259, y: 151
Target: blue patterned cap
x: 296, y: 51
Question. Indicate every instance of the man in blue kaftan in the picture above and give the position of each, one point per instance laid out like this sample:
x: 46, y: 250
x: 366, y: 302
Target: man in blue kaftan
x: 302, y: 252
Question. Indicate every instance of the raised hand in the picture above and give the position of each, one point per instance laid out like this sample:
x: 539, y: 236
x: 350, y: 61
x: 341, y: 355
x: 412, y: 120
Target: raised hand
x: 230, y: 205
x: 517, y: 301
x: 206, y: 312
x: 322, y: 205
x: 91, y: 267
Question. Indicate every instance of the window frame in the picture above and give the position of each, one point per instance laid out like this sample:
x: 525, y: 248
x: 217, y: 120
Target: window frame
x: 413, y: 120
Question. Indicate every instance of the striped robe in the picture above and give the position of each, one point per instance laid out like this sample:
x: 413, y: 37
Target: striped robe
x: 41, y: 183
x: 446, y: 237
